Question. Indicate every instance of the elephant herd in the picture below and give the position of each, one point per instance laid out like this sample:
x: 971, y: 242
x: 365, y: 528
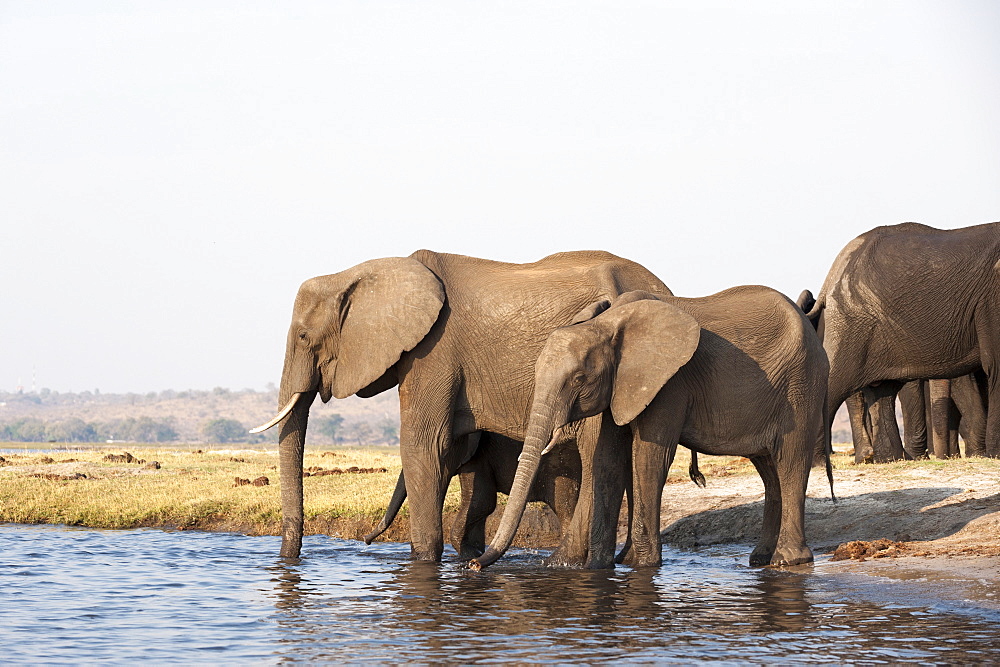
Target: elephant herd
x: 573, y: 379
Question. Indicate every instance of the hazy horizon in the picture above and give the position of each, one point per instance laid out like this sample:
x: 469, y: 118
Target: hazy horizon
x: 172, y: 171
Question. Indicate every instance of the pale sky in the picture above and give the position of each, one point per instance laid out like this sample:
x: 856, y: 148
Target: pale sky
x: 170, y: 172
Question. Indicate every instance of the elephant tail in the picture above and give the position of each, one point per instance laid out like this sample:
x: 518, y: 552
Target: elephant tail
x: 812, y: 307
x: 694, y: 473
x: 395, y: 503
x: 828, y: 451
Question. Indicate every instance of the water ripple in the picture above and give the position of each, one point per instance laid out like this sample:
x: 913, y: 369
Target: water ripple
x: 75, y: 595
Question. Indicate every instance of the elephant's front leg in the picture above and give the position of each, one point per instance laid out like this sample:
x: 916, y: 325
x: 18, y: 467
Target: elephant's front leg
x: 880, y: 417
x: 589, y: 540
x: 650, y: 464
x: 969, y: 401
x: 912, y: 405
x: 992, y: 447
x: 944, y: 420
x: 428, y: 457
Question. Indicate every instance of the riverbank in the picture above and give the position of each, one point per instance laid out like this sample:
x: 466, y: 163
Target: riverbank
x: 935, y: 522
x: 929, y: 515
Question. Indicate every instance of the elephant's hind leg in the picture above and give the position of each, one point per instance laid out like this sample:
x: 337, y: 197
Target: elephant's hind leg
x: 764, y: 550
x: 793, y: 462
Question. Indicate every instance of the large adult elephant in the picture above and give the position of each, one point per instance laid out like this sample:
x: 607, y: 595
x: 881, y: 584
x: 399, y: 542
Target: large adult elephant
x: 459, y: 336
x: 907, y: 302
x: 740, y: 372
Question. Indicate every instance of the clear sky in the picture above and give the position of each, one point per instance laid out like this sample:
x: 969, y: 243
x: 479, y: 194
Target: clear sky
x: 170, y: 172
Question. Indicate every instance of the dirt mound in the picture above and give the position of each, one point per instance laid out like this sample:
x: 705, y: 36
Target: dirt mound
x: 860, y: 550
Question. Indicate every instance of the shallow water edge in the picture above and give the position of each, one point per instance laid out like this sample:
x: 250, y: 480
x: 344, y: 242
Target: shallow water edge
x: 76, y: 595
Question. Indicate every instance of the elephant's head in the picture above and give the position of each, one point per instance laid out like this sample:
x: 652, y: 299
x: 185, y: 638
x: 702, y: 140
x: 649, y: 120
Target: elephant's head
x: 348, y: 330
x: 620, y: 358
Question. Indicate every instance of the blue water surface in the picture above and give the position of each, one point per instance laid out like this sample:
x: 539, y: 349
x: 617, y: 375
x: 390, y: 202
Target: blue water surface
x: 81, y: 595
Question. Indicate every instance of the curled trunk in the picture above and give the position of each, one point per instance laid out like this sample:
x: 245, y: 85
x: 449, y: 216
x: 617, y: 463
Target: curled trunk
x: 539, y: 433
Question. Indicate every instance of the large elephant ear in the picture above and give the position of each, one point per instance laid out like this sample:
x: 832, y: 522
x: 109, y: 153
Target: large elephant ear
x: 653, y: 340
x: 388, y: 308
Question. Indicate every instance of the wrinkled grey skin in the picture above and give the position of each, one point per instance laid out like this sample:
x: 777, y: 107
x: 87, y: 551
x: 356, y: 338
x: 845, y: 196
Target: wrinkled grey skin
x: 459, y: 336
x: 910, y: 302
x: 740, y: 373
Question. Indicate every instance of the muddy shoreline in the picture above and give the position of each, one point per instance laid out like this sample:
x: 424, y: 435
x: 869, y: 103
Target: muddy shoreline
x: 940, y: 526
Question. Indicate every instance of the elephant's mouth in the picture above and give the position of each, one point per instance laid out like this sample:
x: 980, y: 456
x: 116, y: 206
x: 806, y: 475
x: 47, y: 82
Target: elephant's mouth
x: 562, y: 434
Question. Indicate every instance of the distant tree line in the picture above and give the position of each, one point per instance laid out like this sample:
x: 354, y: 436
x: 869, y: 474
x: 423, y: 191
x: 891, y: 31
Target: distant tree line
x: 141, y: 429
x: 46, y: 396
x: 145, y: 429
x: 333, y: 428
x: 211, y: 426
x: 381, y: 432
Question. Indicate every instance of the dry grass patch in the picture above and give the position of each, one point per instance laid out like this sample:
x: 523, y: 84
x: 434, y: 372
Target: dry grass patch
x: 192, y: 489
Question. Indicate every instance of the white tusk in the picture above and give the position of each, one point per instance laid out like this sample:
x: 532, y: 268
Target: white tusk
x: 556, y: 435
x: 281, y: 415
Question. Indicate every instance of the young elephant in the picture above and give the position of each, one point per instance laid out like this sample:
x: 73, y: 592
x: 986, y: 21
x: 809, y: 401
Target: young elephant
x: 741, y: 372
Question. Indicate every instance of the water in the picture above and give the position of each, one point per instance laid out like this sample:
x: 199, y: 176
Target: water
x: 81, y: 595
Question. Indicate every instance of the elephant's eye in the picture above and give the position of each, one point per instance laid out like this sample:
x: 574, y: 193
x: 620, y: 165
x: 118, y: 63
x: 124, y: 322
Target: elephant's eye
x: 303, y: 336
x: 578, y: 379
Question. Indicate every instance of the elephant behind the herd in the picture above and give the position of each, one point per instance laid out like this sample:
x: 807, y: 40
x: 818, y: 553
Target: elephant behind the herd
x: 910, y: 302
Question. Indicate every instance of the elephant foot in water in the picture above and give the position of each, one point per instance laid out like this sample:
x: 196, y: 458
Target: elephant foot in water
x: 781, y: 556
x: 467, y: 552
x: 559, y: 558
x: 636, y: 558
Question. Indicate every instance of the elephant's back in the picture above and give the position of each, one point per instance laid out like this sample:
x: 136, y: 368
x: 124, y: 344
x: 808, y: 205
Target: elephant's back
x: 763, y: 324
x: 916, y: 257
x: 578, y: 277
x: 916, y: 279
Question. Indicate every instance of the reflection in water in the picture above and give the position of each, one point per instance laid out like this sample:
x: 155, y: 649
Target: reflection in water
x: 698, y: 606
x: 82, y: 595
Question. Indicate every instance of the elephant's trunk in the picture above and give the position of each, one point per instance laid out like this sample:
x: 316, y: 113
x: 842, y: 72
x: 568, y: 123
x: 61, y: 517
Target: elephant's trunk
x: 395, y: 503
x: 291, y: 447
x: 539, y: 433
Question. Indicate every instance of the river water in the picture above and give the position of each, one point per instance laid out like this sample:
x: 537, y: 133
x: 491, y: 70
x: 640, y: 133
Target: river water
x: 81, y: 595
